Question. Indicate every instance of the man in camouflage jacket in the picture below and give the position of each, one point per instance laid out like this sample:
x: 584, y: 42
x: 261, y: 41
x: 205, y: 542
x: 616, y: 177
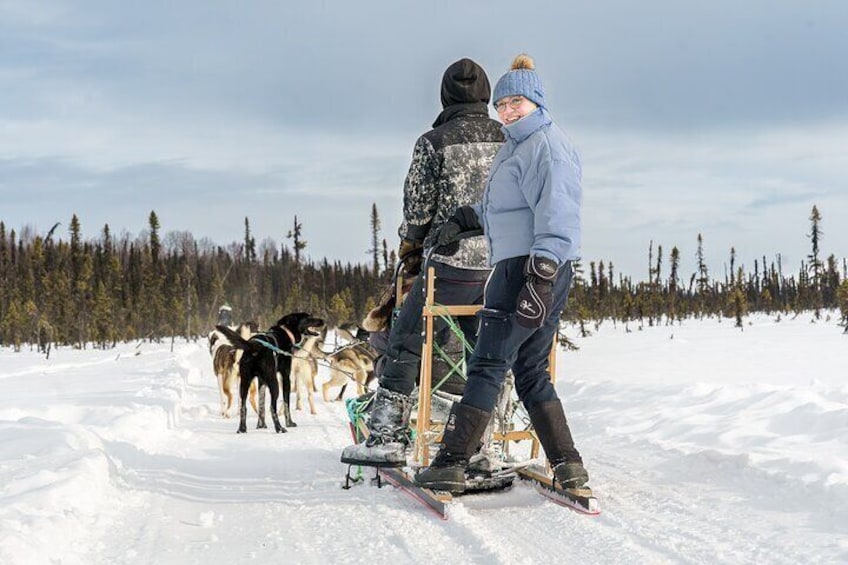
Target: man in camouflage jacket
x: 450, y: 165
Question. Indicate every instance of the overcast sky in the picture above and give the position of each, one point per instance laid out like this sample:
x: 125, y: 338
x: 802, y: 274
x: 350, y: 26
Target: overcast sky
x: 728, y: 119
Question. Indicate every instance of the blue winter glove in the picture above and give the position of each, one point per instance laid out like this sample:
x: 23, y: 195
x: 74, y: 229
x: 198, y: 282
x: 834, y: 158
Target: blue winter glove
x: 447, y: 238
x: 536, y: 296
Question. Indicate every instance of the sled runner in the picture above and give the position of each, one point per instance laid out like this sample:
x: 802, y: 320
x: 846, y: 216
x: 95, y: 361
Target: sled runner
x: 578, y: 499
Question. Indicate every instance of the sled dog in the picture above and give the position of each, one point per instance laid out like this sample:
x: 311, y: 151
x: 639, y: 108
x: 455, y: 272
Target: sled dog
x: 225, y: 359
x: 266, y: 354
x: 352, y: 363
x: 305, y: 368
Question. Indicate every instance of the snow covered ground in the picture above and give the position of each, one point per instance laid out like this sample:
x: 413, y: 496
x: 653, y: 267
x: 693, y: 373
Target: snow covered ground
x: 706, y: 444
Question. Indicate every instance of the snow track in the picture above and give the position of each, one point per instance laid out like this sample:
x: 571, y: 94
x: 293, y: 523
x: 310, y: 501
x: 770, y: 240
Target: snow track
x: 123, y: 459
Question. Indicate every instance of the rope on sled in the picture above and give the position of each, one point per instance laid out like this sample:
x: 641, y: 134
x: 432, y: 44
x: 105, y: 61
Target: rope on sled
x: 455, y: 366
x: 356, y: 410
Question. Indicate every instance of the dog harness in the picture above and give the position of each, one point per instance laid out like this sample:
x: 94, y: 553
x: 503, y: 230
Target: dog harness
x: 261, y: 339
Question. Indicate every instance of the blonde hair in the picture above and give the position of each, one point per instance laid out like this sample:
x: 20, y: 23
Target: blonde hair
x: 522, y: 61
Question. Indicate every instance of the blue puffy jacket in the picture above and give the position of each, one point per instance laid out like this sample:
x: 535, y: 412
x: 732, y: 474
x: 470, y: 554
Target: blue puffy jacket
x: 531, y: 203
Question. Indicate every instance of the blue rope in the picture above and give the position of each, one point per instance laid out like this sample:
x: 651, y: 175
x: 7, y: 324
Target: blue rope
x: 273, y: 348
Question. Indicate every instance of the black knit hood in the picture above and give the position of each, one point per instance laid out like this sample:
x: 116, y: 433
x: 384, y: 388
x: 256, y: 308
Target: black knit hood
x: 465, y: 82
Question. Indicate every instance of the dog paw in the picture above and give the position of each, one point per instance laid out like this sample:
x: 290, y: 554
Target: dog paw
x: 241, y: 431
x: 282, y: 430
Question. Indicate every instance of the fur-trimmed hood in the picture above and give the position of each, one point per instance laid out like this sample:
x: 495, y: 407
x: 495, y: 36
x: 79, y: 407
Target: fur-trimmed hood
x: 377, y: 319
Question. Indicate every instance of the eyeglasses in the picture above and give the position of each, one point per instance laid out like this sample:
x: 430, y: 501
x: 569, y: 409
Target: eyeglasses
x: 513, y: 102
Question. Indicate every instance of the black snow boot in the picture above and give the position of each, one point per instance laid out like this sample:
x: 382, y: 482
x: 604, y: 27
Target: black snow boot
x: 387, y: 427
x: 552, y: 428
x: 461, y: 439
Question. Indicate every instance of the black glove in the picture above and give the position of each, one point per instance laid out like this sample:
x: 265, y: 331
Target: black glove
x: 411, y: 254
x: 463, y: 220
x: 536, y: 296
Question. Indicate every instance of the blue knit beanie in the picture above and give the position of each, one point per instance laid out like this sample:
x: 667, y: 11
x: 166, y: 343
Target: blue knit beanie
x: 522, y: 80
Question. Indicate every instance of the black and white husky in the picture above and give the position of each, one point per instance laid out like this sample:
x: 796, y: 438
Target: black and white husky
x: 266, y: 354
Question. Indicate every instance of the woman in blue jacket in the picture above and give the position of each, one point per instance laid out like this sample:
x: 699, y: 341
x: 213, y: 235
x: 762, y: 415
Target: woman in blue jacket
x: 530, y: 215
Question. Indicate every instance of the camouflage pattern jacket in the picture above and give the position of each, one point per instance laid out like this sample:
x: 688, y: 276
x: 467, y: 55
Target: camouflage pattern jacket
x: 450, y: 165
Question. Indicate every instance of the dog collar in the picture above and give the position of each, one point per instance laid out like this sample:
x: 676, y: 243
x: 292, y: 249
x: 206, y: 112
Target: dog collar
x: 290, y: 334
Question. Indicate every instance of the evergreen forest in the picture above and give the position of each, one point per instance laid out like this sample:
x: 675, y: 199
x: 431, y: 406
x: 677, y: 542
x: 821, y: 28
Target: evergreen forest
x: 62, y: 289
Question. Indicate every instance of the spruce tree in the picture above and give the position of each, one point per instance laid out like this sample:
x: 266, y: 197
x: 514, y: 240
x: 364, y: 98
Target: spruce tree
x: 842, y: 296
x: 672, y: 283
x: 830, y: 281
x: 249, y: 243
x: 658, y: 270
x: 375, y: 239
x: 81, y: 274
x: 739, y: 301
x: 603, y: 290
x: 385, y: 255
x: 298, y: 243
x: 4, y: 273
x: 815, y: 264
x: 732, y: 264
x: 703, y: 275
x: 651, y: 261
x: 104, y: 331
x: 11, y: 324
x: 152, y: 295
x: 155, y: 242
x: 252, y: 290
x: 339, y: 310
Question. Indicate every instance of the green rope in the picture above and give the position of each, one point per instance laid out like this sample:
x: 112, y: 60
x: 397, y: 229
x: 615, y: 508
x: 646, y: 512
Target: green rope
x: 355, y: 411
x: 455, y: 367
x: 454, y: 326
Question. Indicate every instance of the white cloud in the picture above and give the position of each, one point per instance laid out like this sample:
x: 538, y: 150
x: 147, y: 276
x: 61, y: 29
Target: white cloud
x: 692, y: 123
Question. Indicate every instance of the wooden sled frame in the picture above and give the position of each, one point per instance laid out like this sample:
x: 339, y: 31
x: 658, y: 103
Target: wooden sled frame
x: 425, y: 428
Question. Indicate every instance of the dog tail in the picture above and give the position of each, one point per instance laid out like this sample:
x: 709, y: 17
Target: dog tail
x: 235, y: 339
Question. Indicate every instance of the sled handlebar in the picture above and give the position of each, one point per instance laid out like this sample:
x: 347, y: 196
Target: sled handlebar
x: 459, y: 237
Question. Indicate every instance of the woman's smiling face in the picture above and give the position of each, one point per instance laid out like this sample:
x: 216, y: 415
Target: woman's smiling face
x: 512, y: 108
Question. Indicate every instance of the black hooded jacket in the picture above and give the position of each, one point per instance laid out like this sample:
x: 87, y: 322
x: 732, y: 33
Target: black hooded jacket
x: 450, y: 163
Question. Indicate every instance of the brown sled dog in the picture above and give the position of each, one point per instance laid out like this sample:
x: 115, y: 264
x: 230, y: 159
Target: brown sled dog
x: 305, y: 368
x: 351, y: 363
x: 225, y: 360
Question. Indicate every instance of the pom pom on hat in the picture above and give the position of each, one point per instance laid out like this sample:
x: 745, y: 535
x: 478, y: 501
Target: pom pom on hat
x: 523, y: 61
x: 521, y: 80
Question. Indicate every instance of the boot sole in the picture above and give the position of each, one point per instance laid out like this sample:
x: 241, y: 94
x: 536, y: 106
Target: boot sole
x: 369, y: 463
x: 449, y: 486
x: 574, y: 483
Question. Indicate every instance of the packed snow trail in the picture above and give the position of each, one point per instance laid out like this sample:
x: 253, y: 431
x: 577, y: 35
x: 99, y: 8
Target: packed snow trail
x: 113, y: 457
